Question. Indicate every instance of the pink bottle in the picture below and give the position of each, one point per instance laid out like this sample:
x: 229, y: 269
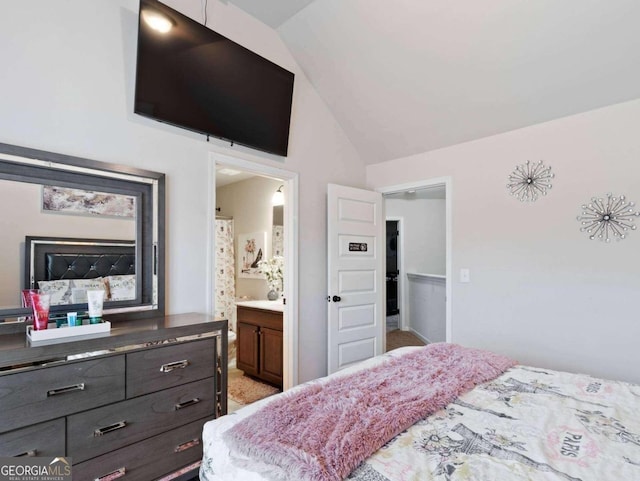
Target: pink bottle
x: 40, y: 304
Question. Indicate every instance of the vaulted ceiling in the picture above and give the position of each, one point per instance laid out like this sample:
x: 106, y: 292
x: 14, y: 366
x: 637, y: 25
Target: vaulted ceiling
x: 409, y: 76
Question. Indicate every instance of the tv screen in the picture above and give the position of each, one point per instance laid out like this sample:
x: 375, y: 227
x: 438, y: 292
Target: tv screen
x: 189, y: 76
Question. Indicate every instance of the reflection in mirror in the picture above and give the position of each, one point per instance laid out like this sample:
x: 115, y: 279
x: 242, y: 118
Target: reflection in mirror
x: 67, y: 268
x: 88, y: 203
x: 31, y: 215
x: 277, y: 231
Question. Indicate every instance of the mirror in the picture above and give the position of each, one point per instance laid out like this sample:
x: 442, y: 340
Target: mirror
x: 277, y: 231
x: 108, y: 216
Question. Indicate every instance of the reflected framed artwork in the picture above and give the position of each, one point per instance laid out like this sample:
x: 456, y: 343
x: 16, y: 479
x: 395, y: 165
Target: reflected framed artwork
x: 250, y: 251
x: 66, y: 200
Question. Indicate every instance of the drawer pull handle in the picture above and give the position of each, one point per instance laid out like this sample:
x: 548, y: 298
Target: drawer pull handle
x: 174, y: 365
x: 188, y: 403
x: 31, y: 453
x: 109, y: 429
x: 188, y: 445
x: 66, y: 389
x: 118, y: 473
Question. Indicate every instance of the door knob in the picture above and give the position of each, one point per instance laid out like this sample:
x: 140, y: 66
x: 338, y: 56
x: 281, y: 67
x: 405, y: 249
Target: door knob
x: 336, y: 298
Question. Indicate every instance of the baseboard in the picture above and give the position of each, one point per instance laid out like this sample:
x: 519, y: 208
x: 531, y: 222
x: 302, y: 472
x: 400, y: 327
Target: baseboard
x: 419, y: 336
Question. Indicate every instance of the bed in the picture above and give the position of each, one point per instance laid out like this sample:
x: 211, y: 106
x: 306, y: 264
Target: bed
x: 521, y: 423
x: 66, y: 268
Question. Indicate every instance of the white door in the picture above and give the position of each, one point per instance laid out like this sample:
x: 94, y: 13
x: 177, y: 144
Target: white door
x: 355, y: 229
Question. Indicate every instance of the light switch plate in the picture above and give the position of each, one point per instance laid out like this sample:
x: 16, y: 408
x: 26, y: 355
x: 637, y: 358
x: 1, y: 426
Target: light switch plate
x: 465, y: 275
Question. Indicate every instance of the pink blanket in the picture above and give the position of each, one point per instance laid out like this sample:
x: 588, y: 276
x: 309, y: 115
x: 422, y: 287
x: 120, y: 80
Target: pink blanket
x: 324, y: 431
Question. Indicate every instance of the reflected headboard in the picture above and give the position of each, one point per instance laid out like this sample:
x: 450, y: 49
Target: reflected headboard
x: 54, y: 258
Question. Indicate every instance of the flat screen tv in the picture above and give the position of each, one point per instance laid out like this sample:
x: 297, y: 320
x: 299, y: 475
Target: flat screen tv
x: 194, y: 78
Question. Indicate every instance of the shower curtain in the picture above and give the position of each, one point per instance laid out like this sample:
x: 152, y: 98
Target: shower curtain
x: 225, y: 272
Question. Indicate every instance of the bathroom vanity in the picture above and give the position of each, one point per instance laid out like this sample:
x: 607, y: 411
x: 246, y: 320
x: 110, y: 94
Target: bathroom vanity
x: 259, y: 343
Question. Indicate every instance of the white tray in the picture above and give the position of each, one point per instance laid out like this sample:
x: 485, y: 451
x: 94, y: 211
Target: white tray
x: 53, y: 333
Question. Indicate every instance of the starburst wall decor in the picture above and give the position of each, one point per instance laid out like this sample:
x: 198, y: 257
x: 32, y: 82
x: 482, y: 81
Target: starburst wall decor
x: 530, y: 180
x: 608, y: 218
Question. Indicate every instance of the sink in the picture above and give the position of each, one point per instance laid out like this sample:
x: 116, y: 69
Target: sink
x: 276, y: 305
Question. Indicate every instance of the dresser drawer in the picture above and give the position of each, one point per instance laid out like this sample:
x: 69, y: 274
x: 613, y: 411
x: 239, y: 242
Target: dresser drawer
x: 35, y: 396
x: 101, y: 430
x: 45, y: 439
x: 149, y: 459
x: 160, y: 368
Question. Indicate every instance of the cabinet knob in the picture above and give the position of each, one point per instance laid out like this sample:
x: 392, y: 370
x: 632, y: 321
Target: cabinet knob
x: 174, y: 365
x: 186, y: 404
x: 118, y: 473
x: 31, y: 453
x: 110, y: 428
x: 336, y: 298
x: 66, y: 389
x: 188, y: 445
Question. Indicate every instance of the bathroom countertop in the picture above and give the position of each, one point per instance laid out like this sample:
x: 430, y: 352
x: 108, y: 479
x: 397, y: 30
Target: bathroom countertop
x: 263, y: 304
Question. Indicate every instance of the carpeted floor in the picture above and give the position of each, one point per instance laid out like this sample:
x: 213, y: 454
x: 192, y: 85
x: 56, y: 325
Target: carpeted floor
x: 244, y: 390
x: 398, y: 338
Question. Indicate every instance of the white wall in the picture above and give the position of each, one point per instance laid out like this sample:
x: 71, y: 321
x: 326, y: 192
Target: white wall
x: 67, y: 86
x: 424, y: 233
x: 540, y: 290
x: 427, y: 307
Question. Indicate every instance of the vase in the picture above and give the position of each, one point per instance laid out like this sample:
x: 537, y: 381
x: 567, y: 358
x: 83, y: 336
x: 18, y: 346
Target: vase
x: 272, y: 295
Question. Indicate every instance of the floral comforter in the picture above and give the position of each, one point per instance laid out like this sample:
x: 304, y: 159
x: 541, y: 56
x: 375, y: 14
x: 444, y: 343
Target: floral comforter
x: 528, y: 424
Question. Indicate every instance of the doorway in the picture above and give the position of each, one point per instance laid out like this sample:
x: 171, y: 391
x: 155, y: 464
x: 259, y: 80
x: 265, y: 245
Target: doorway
x: 392, y: 271
x: 420, y: 213
x: 287, y: 183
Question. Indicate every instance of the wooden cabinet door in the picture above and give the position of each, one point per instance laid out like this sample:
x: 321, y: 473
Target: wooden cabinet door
x: 271, y: 355
x: 247, y: 359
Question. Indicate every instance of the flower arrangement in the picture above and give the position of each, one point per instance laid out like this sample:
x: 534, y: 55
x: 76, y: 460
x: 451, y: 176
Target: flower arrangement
x: 273, y: 271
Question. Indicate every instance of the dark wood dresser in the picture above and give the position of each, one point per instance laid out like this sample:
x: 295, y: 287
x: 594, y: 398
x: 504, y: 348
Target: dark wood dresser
x: 129, y: 405
x: 259, y: 343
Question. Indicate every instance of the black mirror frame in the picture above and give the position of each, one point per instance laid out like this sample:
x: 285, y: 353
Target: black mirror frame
x: 85, y: 174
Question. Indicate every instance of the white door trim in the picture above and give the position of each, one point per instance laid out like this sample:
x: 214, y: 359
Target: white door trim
x: 290, y: 314
x: 447, y: 182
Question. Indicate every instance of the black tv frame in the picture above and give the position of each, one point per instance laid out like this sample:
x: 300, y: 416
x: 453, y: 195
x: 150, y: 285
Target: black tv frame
x: 247, y: 99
